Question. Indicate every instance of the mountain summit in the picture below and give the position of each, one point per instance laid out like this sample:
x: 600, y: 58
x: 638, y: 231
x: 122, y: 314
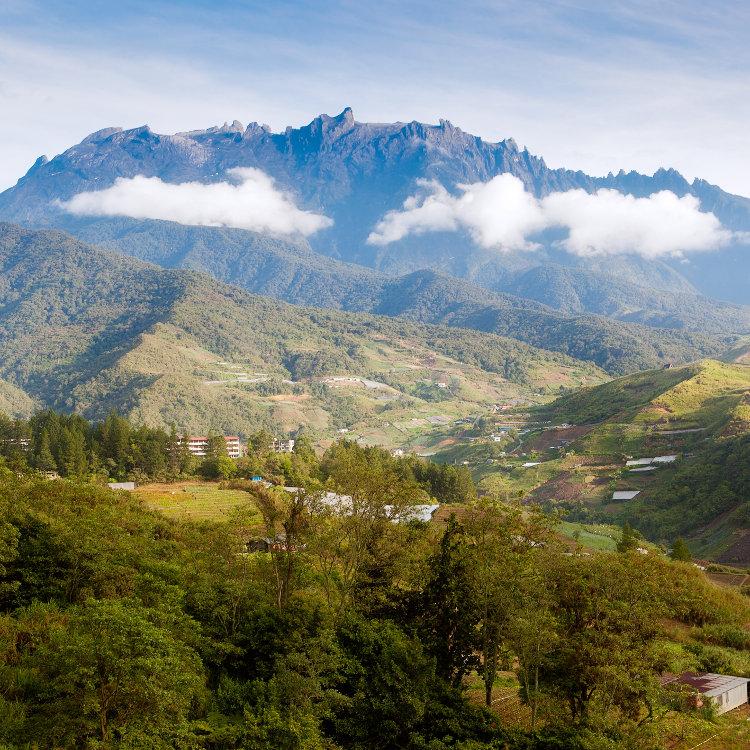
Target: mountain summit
x: 355, y: 173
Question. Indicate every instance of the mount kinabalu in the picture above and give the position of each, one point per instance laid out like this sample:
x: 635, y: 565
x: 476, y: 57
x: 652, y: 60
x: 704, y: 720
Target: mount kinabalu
x: 355, y: 172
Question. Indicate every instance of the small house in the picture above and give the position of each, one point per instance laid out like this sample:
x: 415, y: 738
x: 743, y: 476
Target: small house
x: 724, y: 691
x: 272, y: 544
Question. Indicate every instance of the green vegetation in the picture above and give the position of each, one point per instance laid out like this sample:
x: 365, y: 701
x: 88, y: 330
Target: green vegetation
x: 89, y: 332
x: 193, y: 500
x: 71, y: 447
x: 121, y: 627
x: 703, y: 491
x: 699, y: 414
x: 591, y: 536
x: 13, y: 401
x: 290, y: 272
x: 623, y: 396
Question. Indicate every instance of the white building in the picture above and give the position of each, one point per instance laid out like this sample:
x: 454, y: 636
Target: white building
x: 648, y: 461
x: 724, y: 691
x: 198, y: 445
x: 283, y: 446
x: 625, y: 494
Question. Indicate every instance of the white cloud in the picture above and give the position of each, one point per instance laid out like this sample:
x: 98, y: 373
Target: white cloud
x: 501, y: 214
x: 608, y: 222
x: 250, y: 201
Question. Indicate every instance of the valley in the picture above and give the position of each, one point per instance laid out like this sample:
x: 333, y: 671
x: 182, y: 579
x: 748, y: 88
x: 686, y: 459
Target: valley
x: 371, y: 436
x: 663, y: 450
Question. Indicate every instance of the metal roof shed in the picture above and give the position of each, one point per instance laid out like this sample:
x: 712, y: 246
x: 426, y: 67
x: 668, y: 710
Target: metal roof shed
x: 625, y: 494
x: 726, y: 691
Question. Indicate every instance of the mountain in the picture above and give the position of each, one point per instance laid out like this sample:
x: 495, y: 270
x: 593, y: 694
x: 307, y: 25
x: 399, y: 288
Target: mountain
x: 296, y: 274
x: 86, y: 330
x: 700, y: 414
x: 14, y: 402
x: 355, y: 172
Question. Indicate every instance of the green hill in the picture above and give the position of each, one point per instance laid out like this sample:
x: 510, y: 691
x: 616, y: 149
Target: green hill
x: 700, y: 414
x: 85, y: 330
x: 676, y: 332
x: 14, y: 402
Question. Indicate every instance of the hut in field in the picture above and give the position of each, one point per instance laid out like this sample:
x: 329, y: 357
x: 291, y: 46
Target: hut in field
x: 724, y: 691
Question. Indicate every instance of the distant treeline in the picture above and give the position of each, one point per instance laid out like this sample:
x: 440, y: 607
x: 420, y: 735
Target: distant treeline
x: 116, y: 449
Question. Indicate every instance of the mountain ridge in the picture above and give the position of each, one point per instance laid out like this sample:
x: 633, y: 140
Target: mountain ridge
x: 355, y: 172
x: 85, y: 330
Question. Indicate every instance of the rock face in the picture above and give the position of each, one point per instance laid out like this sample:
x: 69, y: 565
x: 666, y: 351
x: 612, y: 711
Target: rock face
x: 354, y: 172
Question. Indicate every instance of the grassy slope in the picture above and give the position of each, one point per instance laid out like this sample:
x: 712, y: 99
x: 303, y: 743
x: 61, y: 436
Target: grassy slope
x: 89, y: 331
x: 702, y: 495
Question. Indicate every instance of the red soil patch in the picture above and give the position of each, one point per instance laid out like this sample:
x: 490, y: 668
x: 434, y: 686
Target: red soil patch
x: 559, y: 488
x: 739, y: 551
x: 549, y: 438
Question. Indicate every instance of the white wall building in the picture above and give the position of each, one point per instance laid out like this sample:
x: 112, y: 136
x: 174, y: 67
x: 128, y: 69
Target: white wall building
x: 724, y: 691
x: 198, y: 445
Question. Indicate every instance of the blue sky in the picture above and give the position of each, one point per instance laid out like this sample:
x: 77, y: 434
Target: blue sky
x: 596, y: 86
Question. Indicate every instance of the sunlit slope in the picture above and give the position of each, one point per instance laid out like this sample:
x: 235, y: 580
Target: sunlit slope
x: 701, y: 415
x: 89, y: 331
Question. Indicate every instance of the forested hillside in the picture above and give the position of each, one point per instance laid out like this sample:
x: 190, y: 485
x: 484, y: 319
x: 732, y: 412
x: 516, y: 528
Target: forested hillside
x: 288, y: 269
x: 121, y: 628
x: 293, y: 273
x: 87, y: 331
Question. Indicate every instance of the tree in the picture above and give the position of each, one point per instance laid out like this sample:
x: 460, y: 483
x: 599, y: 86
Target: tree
x: 73, y: 458
x: 606, y: 609
x: 286, y: 518
x: 532, y: 636
x: 114, y: 437
x: 216, y: 446
x: 384, y: 677
x: 303, y: 448
x: 261, y: 441
x: 107, y: 669
x: 44, y: 460
x: 449, y: 615
x: 628, y: 540
x: 218, y: 467
x: 680, y: 551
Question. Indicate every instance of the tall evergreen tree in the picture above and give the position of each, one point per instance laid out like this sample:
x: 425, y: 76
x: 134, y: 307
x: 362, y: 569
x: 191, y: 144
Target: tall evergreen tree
x: 680, y: 551
x: 74, y: 461
x: 449, y: 613
x: 44, y: 460
x: 628, y: 540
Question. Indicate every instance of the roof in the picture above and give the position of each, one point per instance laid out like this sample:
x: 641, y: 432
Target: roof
x: 654, y: 460
x: 205, y: 437
x: 414, y: 513
x: 708, y: 683
x: 625, y: 494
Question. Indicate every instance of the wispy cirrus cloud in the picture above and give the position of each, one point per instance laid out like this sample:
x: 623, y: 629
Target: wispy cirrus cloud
x: 501, y: 214
x: 250, y: 200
